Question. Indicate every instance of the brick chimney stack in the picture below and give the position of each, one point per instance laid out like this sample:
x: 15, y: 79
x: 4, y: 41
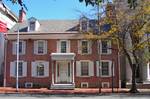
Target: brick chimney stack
x: 22, y: 15
x: 110, y: 11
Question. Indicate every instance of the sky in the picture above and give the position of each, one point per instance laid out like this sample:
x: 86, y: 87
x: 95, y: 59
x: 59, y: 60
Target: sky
x: 53, y: 9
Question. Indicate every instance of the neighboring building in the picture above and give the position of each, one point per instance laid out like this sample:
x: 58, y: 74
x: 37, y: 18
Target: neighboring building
x: 143, y: 71
x: 55, y: 54
x: 7, y: 21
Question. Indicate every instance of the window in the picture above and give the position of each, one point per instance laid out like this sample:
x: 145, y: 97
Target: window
x: 40, y: 69
x: 40, y: 47
x: 21, y: 47
x: 20, y: 69
x: 84, y: 26
x: 84, y: 23
x: 32, y: 26
x: 69, y: 68
x: 63, y: 46
x: 84, y: 68
x: 106, y: 68
x: 105, y: 47
x: 84, y: 47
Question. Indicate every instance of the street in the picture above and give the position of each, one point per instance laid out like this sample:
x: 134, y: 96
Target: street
x: 81, y: 96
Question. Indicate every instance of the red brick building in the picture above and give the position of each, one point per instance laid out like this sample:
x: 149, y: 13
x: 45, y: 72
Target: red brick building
x: 55, y: 54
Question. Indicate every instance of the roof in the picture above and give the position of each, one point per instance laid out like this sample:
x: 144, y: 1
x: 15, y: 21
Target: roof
x: 57, y: 26
x: 8, y: 12
x: 49, y: 26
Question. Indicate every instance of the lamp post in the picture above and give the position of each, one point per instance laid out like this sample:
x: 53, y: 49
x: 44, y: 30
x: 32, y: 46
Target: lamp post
x: 17, y: 86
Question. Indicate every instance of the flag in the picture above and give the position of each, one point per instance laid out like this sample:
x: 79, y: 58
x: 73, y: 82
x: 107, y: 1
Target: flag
x: 3, y: 27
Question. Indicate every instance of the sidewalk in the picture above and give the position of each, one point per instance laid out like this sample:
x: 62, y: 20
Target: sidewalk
x: 9, y: 90
x: 47, y: 91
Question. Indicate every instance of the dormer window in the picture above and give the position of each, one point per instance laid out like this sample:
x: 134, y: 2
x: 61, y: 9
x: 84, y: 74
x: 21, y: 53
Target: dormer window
x: 84, y: 24
x: 32, y: 26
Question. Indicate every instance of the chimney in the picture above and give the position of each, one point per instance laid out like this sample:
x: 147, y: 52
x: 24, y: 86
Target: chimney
x: 22, y: 15
x: 110, y: 11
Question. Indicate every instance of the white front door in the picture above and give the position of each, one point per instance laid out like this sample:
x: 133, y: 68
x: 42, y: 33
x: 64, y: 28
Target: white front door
x: 63, y: 70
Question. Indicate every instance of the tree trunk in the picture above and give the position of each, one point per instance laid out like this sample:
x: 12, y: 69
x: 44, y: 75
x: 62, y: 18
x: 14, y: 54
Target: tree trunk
x: 133, y: 86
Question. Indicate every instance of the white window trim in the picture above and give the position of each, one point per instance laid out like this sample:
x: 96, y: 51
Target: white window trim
x: 109, y: 50
x: 110, y: 64
x: 36, y: 47
x: 82, y: 83
x: 59, y: 46
x: 14, y: 47
x: 88, y: 68
x: 24, y: 69
x: 39, y: 61
x: 80, y: 47
x: 30, y: 83
x: 103, y: 83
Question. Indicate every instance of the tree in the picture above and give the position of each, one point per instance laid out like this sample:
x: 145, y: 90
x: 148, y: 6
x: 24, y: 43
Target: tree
x: 132, y: 3
x: 20, y: 2
x: 130, y: 25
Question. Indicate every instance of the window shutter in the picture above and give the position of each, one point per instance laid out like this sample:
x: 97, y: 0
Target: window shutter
x: 79, y: 47
x: 91, y: 68
x: 12, y: 69
x: 24, y: 47
x: 97, y: 69
x: 78, y: 68
x: 100, y: 47
x: 14, y: 46
x: 35, y: 47
x: 45, y: 47
x: 24, y: 69
x: 68, y: 46
x: 34, y: 69
x: 90, y: 47
x: 110, y: 66
x: 58, y: 46
x: 109, y: 47
x: 46, y: 69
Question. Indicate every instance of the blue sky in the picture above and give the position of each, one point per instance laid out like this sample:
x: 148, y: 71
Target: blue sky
x: 53, y: 9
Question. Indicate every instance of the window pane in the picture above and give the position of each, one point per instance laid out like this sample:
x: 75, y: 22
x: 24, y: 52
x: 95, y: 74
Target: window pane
x: 68, y: 69
x: 84, y: 47
x: 20, y: 69
x: 32, y: 26
x: 84, y: 25
x: 63, y: 46
x: 40, y: 69
x: 105, y: 69
x: 20, y: 47
x: 84, y: 68
x: 104, y: 47
x: 40, y: 47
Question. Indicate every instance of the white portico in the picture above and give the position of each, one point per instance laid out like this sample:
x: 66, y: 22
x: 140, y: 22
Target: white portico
x: 62, y: 70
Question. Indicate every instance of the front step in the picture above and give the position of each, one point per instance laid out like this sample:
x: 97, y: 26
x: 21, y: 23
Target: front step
x: 62, y: 86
